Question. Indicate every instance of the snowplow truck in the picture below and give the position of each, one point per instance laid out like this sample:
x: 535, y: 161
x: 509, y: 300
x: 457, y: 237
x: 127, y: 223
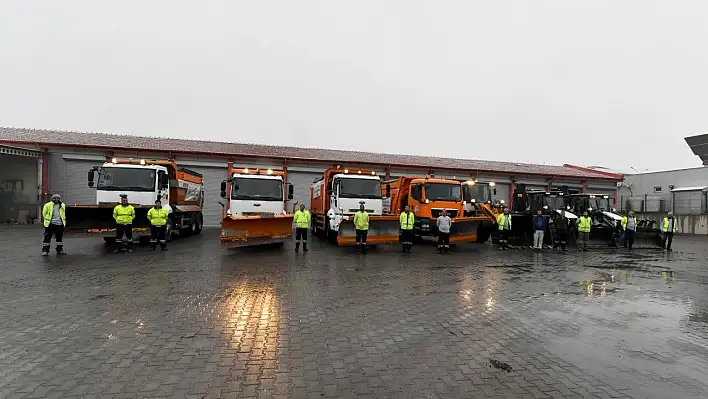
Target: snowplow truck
x: 338, y: 195
x: 181, y: 191
x: 606, y: 229
x: 427, y: 197
x: 255, y: 212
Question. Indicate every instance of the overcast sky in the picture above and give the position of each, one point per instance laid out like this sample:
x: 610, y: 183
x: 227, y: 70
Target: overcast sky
x: 612, y: 83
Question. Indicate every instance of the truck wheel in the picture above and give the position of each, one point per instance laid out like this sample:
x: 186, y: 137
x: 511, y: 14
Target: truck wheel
x: 199, y: 224
x: 186, y: 231
x: 483, y: 233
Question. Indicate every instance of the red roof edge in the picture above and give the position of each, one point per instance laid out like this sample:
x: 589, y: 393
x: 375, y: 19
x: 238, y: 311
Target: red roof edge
x: 599, y: 175
x: 617, y: 176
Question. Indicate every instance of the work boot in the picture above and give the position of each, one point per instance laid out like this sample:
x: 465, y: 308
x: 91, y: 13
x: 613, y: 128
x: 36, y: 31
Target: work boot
x: 446, y: 249
x: 163, y: 249
x: 297, y: 246
x: 45, y: 252
x: 60, y: 251
x: 304, y: 246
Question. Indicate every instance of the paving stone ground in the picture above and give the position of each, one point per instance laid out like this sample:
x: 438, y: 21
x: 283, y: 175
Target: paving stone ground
x: 201, y: 322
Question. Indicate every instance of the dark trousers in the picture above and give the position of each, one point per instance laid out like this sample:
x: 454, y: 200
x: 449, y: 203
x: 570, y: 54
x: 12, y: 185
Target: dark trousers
x: 560, y: 239
x: 443, y: 240
x: 53, y: 230
x: 157, y: 234
x: 301, y: 235
x: 503, y: 238
x: 667, y: 239
x: 629, y: 238
x: 361, y: 236
x: 127, y: 231
x: 406, y: 239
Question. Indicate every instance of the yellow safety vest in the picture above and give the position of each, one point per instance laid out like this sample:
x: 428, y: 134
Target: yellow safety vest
x: 407, y: 220
x: 48, y: 213
x: 624, y: 221
x: 302, y: 219
x: 666, y: 225
x: 584, y: 223
x: 124, y: 214
x: 157, y: 217
x: 361, y: 220
x: 501, y: 221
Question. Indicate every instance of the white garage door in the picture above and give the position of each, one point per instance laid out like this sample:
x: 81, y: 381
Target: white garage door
x: 213, y: 176
x: 301, y: 182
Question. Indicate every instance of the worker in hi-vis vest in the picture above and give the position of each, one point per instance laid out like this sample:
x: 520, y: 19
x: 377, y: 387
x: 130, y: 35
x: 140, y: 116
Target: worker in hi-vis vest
x: 407, y: 221
x: 54, y: 220
x: 584, y: 224
x: 123, y: 214
x: 157, y: 215
x: 302, y: 223
x: 504, y: 223
x: 668, y: 227
x: 361, y: 224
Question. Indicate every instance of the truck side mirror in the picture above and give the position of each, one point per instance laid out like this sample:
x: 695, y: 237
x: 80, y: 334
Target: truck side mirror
x: 388, y: 191
x: 291, y: 191
x: 90, y: 178
x: 223, y: 189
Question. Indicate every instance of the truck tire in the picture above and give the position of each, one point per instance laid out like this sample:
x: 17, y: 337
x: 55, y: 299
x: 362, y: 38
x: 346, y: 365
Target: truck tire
x: 200, y: 223
x: 187, y: 230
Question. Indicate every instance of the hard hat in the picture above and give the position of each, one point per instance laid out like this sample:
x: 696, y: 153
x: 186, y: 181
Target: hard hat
x: 123, y: 195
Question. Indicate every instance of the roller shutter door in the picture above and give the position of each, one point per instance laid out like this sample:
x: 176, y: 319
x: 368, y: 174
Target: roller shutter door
x: 75, y: 182
x: 213, y: 176
x: 301, y: 182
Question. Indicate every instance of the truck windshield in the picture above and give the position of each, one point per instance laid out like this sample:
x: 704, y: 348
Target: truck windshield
x: 257, y: 189
x: 443, y: 192
x: 126, y: 179
x: 477, y: 192
x: 359, y: 188
x: 555, y: 203
x: 599, y: 203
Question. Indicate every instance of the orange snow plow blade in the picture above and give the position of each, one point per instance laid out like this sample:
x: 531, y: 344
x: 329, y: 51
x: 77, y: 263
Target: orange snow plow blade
x: 464, y: 229
x: 382, y: 230
x: 246, y: 231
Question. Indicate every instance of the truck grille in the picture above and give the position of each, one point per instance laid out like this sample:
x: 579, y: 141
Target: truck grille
x: 450, y: 212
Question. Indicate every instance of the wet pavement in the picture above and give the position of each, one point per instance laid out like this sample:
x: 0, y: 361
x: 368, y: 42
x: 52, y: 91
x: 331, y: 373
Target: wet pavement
x: 200, y: 322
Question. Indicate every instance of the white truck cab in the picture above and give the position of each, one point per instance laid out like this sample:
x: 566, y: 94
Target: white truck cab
x: 255, y: 193
x: 143, y: 183
x: 349, y: 192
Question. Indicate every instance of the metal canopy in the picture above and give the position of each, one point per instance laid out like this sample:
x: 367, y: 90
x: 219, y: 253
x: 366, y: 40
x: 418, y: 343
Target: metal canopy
x: 22, y: 152
x: 699, y: 146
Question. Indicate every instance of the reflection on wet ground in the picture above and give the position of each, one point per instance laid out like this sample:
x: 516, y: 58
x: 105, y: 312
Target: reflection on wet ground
x: 479, y: 322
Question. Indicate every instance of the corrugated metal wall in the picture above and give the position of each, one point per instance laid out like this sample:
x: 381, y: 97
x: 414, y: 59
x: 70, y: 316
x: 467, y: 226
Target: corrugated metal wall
x: 688, y: 202
x: 75, y: 182
x: 301, y: 182
x: 213, y: 176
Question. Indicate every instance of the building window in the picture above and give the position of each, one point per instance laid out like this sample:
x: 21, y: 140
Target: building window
x: 657, y: 189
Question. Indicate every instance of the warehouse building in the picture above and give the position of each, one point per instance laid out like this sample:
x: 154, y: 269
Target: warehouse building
x: 37, y: 163
x: 683, y: 192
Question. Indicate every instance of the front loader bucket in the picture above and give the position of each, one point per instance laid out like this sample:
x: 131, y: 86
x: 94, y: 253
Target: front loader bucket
x: 382, y: 230
x: 99, y: 218
x: 246, y: 231
x: 647, y: 239
x: 466, y: 229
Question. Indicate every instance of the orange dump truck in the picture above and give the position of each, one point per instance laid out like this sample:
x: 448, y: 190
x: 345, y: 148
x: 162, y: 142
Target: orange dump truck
x: 338, y: 195
x: 427, y: 197
x: 255, y: 213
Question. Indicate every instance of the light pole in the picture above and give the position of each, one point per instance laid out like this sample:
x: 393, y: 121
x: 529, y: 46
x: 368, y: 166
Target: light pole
x: 641, y: 183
